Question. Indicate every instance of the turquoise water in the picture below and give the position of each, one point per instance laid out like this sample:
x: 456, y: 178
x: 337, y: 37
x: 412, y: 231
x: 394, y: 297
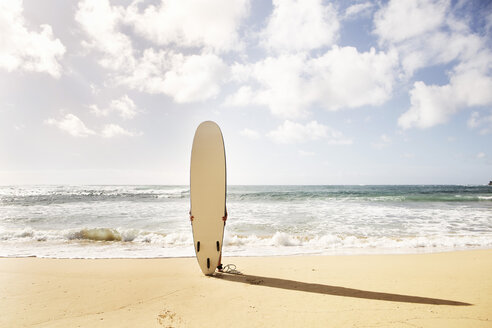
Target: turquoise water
x: 152, y: 221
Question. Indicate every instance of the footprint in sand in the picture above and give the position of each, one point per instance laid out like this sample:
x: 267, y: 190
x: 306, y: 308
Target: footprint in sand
x: 168, y: 319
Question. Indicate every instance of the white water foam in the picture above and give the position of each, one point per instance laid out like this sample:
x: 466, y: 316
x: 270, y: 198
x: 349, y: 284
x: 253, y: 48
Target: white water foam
x: 152, y: 221
x: 110, y: 243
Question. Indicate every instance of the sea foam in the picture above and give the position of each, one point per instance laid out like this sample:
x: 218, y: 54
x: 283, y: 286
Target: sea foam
x: 152, y: 221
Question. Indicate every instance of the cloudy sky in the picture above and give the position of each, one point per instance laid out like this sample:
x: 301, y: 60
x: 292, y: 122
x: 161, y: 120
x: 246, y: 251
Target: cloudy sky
x: 306, y: 92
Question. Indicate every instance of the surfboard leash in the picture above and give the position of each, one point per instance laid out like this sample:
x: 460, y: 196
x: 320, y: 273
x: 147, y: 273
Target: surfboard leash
x: 230, y: 269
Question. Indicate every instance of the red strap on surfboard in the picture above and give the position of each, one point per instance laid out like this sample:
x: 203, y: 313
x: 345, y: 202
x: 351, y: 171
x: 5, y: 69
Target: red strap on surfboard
x: 224, y: 218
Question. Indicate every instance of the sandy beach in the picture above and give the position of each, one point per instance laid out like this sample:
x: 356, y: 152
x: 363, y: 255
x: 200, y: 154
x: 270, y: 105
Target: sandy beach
x: 423, y: 290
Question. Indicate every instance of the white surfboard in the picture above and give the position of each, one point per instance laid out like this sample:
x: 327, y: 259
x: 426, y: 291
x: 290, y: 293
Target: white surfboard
x: 208, y: 195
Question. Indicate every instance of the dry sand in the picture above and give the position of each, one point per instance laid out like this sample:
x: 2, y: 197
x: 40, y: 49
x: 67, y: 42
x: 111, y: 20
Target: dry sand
x: 424, y: 290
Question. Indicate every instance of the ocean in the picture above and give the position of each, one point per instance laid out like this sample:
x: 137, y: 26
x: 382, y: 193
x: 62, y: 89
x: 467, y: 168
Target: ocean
x: 152, y: 221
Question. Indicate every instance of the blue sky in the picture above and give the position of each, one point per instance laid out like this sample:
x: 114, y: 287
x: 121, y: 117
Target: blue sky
x: 306, y: 92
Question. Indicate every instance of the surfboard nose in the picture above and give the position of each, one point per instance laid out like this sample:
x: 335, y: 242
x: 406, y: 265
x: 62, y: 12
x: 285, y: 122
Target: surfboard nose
x: 205, y: 124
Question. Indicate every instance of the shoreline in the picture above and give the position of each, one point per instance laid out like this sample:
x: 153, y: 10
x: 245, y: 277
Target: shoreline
x: 375, y: 252
x: 450, y: 289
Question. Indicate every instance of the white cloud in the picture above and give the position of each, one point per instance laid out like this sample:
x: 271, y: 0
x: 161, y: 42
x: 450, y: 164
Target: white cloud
x: 148, y: 73
x: 432, y: 104
x: 426, y: 33
x: 340, y: 78
x: 185, y: 78
x: 283, y: 89
x: 438, y: 48
x: 384, y: 138
x: 242, y: 97
x: 249, y: 133
x: 114, y: 130
x: 346, y: 78
x: 480, y: 155
x: 27, y: 50
x: 473, y: 120
x: 194, y: 78
x: 211, y: 24
x: 124, y: 107
x: 99, y: 111
x: 402, y: 19
x: 100, y: 21
x: 358, y: 9
x: 482, y: 122
x: 300, y: 25
x: 72, y: 125
x: 94, y: 89
x: 241, y: 72
x: 383, y: 142
x: 292, y: 132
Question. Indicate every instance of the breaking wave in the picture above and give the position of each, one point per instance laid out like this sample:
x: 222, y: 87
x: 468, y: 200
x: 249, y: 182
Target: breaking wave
x: 107, y: 243
x: 152, y: 221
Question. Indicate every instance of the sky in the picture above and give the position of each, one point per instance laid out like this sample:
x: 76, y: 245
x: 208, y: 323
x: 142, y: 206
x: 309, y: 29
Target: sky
x: 305, y: 92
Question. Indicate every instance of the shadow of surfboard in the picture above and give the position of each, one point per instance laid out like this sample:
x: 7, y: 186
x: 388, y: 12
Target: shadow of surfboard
x: 333, y: 290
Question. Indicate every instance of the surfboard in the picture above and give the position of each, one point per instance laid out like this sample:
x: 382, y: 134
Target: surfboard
x: 208, y: 195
